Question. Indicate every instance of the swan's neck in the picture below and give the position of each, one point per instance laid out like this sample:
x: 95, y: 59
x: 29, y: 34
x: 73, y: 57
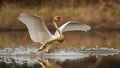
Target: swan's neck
x: 60, y: 33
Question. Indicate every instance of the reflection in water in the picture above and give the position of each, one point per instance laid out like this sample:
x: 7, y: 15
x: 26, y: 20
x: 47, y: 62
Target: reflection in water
x: 11, y: 58
x: 17, y: 62
x: 84, y: 62
x: 61, y: 61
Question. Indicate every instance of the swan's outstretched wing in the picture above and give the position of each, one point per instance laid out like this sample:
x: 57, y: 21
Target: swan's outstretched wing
x: 73, y: 26
x: 36, y: 27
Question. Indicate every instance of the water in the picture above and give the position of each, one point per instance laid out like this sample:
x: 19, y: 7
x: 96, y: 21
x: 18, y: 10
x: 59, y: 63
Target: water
x: 76, y: 58
x: 79, y: 50
x: 64, y: 61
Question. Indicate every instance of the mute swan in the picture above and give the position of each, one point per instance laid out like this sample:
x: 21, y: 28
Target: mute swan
x: 39, y: 32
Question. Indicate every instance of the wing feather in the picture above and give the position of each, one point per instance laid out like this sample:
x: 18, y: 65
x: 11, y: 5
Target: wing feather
x: 36, y: 28
x: 73, y: 26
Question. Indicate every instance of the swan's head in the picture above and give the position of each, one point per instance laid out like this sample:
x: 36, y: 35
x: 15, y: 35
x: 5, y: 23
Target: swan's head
x: 57, y: 19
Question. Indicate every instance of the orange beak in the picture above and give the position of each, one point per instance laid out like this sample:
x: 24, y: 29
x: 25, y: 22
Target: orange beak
x: 59, y: 19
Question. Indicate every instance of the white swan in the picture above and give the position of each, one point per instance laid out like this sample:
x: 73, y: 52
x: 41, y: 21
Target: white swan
x: 39, y: 32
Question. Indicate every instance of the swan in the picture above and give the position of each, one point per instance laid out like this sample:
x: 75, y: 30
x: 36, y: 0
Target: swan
x: 39, y: 32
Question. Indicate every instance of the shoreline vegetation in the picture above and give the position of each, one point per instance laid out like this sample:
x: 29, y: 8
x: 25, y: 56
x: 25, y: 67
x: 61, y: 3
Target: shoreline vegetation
x: 100, y: 15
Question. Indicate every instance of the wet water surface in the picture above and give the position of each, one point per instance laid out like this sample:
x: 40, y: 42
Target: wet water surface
x: 19, y: 41
x: 76, y: 58
x: 83, y: 61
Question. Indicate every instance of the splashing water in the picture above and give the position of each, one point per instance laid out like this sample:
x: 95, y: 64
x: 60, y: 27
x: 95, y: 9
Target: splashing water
x: 21, y: 55
x: 86, y: 51
x: 16, y: 51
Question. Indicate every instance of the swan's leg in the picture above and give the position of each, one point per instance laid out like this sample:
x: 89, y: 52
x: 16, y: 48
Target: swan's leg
x: 44, y: 48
